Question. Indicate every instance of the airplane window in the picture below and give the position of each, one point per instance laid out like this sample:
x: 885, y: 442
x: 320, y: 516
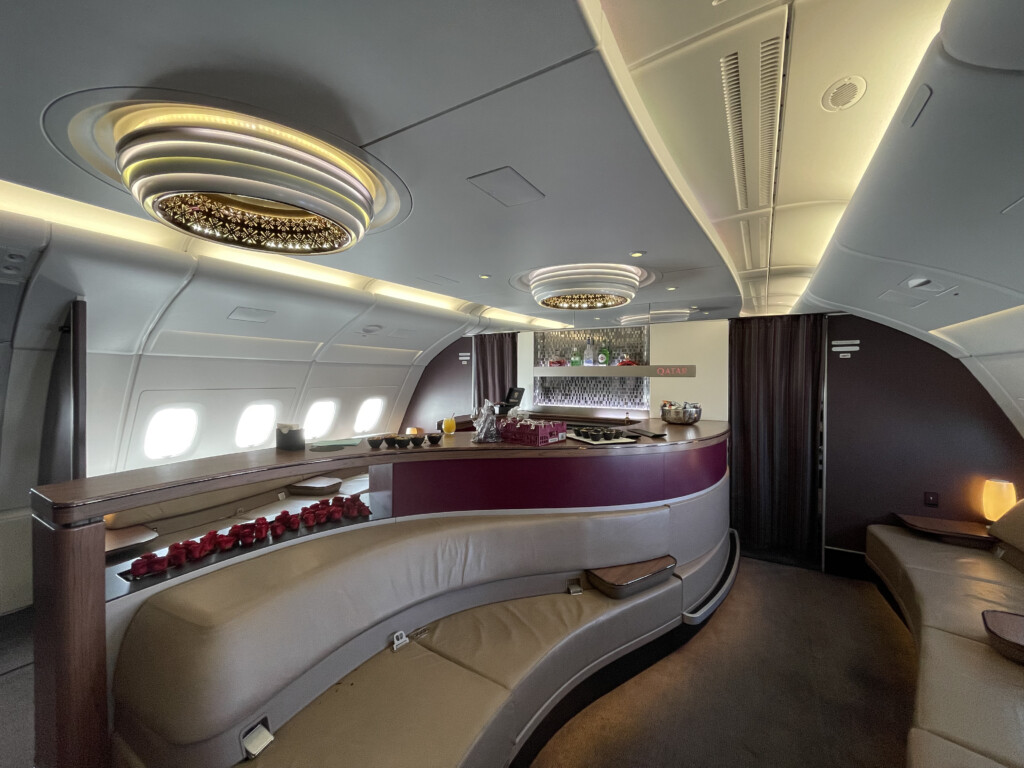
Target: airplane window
x: 171, y: 432
x: 255, y: 425
x: 319, y: 419
x: 369, y: 414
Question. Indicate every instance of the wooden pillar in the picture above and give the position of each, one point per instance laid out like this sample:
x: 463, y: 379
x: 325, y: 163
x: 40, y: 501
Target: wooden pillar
x: 70, y: 645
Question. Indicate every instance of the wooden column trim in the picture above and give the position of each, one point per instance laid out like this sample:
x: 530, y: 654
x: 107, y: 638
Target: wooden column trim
x: 70, y: 646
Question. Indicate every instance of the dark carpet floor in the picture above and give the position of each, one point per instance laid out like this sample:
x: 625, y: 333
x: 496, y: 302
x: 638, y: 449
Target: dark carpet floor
x: 796, y: 668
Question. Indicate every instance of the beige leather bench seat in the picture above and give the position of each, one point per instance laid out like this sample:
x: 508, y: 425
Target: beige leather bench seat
x: 468, y: 688
x: 969, y: 708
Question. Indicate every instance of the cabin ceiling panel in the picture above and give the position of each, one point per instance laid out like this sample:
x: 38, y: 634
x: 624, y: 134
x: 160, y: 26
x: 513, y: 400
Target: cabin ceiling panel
x: 824, y: 153
x: 645, y: 28
x: 995, y: 334
x: 126, y: 287
x: 173, y: 373
x: 716, y: 103
x: 800, y: 233
x: 886, y: 288
x: 569, y: 135
x: 389, y: 326
x: 358, y: 70
x: 939, y: 192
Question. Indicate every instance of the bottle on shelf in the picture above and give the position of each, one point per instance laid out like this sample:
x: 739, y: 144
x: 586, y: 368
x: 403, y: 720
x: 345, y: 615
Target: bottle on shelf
x: 604, y: 355
x: 588, y: 351
x: 575, y: 358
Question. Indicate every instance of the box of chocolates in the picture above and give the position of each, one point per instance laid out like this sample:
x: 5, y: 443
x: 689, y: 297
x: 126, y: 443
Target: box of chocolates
x: 532, y: 431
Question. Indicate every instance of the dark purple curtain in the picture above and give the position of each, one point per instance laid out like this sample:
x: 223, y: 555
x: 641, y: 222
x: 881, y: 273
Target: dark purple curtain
x: 494, y: 366
x: 775, y: 407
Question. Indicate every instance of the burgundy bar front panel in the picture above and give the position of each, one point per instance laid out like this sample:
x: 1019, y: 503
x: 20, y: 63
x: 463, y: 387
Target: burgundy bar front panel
x: 424, y: 487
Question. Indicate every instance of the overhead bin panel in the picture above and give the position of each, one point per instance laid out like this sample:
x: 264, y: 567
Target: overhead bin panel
x: 944, y: 188
x: 229, y: 310
x: 394, y: 333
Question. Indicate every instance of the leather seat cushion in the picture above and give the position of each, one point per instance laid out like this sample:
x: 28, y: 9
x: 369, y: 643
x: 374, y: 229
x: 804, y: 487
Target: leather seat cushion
x: 196, y: 643
x: 412, y: 707
x: 893, y: 548
x: 926, y: 750
x: 954, y: 604
x: 968, y: 694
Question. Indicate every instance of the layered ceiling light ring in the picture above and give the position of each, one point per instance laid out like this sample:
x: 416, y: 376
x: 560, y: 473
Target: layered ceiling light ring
x: 585, y: 286
x: 236, y: 179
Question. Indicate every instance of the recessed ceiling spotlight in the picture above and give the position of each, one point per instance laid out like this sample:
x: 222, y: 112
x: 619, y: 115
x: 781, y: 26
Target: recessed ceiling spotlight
x: 670, y: 288
x: 637, y: 254
x: 222, y: 175
x: 485, y: 277
x: 583, y: 286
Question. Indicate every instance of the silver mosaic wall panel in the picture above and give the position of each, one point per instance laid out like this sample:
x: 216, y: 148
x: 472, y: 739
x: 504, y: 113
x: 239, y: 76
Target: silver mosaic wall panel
x: 628, y: 392
x: 558, y: 345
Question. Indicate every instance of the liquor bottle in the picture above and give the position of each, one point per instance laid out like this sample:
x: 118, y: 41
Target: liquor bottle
x: 574, y: 358
x: 604, y: 355
x: 588, y: 351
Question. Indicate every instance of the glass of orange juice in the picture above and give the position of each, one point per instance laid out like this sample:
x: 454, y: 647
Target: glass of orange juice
x: 448, y: 425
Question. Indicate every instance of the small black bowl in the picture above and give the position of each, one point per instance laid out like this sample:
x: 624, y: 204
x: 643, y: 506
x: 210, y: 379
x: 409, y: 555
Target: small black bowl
x: 585, y: 433
x: 375, y: 441
x: 434, y: 438
x: 391, y: 440
x: 416, y: 440
x: 402, y: 441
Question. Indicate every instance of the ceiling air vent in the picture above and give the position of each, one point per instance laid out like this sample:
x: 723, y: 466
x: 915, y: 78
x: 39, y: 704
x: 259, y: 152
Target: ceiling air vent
x: 843, y: 93
x: 730, y: 66
x: 768, y: 125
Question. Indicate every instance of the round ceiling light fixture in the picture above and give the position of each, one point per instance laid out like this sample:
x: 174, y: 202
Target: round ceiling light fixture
x: 585, y: 286
x: 230, y: 177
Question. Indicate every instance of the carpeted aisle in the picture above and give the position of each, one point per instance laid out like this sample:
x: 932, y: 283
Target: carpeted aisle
x: 795, y: 669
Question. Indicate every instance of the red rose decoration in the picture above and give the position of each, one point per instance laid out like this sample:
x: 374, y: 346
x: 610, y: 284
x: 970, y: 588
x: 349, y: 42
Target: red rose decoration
x: 246, y: 538
x: 158, y: 565
x: 177, y: 557
x: 355, y: 496
x: 234, y: 529
x: 196, y: 550
x: 260, y: 531
x: 321, y: 515
x: 261, y: 521
x: 148, y: 556
x: 304, y: 510
x: 140, y: 567
x: 293, y: 523
x: 350, y: 512
x: 364, y: 511
x: 337, y: 501
x: 226, y: 542
x: 277, y: 529
x: 334, y: 514
x: 308, y: 519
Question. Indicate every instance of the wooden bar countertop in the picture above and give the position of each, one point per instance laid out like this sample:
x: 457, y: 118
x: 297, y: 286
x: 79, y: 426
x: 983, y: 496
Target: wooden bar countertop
x: 93, y: 497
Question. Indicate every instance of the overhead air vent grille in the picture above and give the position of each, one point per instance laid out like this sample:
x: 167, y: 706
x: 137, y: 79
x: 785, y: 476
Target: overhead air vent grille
x: 768, y: 125
x: 843, y: 93
x: 730, y: 66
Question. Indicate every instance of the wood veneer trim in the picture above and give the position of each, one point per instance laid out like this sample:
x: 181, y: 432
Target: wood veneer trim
x: 91, y: 498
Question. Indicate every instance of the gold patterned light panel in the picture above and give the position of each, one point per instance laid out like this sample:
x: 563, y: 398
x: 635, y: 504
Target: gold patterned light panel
x: 261, y: 225
x: 584, y: 301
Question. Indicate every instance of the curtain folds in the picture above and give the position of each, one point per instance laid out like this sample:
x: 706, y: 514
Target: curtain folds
x: 775, y: 407
x: 494, y: 366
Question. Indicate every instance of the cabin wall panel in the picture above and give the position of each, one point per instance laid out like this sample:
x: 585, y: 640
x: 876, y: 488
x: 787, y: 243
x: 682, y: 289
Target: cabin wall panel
x: 26, y: 402
x: 902, y: 418
x: 445, y: 387
x: 704, y: 344
x: 108, y: 379
x: 15, y: 559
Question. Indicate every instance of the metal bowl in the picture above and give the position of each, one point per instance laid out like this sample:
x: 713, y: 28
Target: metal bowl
x: 684, y: 415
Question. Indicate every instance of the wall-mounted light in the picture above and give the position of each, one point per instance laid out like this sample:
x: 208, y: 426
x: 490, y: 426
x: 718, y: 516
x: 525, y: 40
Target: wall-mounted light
x: 996, y: 498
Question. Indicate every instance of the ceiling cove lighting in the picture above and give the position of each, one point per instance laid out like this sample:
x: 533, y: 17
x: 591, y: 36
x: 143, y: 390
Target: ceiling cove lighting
x: 234, y: 178
x: 585, y: 286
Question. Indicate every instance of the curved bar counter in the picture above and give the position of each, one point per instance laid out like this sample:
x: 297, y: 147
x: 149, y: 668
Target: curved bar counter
x: 678, y: 482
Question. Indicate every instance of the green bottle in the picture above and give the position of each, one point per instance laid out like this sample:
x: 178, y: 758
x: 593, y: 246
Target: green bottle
x: 604, y: 355
x: 575, y: 358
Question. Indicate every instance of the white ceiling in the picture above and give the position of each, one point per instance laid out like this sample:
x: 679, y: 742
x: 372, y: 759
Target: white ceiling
x: 441, y: 91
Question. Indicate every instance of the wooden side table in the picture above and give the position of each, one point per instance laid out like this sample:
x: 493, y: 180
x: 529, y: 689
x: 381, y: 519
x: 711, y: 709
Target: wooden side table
x: 964, y: 532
